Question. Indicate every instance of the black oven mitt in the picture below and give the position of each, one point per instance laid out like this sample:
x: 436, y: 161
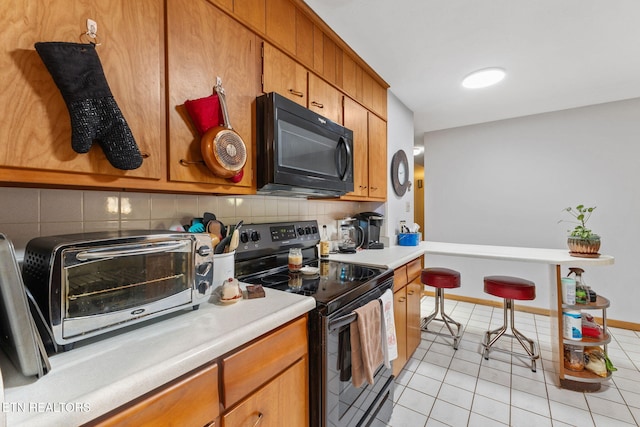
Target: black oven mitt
x: 78, y: 73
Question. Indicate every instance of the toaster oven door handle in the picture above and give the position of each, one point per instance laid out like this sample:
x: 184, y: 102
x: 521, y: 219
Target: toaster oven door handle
x: 94, y: 254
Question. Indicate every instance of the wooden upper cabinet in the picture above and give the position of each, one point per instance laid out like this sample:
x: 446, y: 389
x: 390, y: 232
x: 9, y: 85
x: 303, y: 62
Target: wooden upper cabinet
x: 225, y: 4
x: 377, y: 157
x: 374, y: 96
x: 204, y: 43
x: 324, y: 99
x: 252, y: 12
x: 304, y: 39
x: 356, y: 119
x: 281, y: 24
x: 283, y: 75
x: 36, y: 131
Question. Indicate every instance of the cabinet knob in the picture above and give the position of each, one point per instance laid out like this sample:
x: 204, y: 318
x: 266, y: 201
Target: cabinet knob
x: 317, y: 104
x: 403, y: 299
x: 296, y: 93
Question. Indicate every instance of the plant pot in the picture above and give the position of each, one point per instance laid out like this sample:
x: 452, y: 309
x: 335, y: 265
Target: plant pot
x: 584, y: 248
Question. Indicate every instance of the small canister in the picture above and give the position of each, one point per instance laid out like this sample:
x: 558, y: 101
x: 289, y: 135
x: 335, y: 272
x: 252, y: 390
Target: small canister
x: 572, y: 320
x: 573, y: 357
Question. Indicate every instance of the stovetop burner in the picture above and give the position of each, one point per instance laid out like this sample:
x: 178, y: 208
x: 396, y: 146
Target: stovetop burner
x: 264, y: 262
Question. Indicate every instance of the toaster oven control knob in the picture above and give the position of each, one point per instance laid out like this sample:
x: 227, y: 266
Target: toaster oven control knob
x: 203, y: 286
x: 203, y: 269
x: 244, y: 237
x: 255, y: 236
x: 204, y: 250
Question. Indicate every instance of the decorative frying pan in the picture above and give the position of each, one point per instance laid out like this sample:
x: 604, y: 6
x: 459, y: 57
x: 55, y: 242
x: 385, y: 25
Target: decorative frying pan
x: 223, y: 150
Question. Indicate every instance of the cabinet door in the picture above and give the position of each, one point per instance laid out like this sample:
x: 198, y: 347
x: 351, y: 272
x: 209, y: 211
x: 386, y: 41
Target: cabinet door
x: 251, y: 12
x: 355, y: 118
x: 190, y: 401
x: 400, y: 319
x: 36, y: 130
x: 414, y: 296
x: 281, y: 24
x: 324, y: 99
x: 282, y: 402
x: 377, y: 157
x: 204, y: 43
x: 283, y: 75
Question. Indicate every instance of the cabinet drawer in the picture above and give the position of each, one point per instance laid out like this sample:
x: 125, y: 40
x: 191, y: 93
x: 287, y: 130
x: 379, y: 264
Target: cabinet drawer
x: 399, y: 278
x: 414, y: 269
x: 189, y: 401
x: 283, y: 401
x: 254, y: 365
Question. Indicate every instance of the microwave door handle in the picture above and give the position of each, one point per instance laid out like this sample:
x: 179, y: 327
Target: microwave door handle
x: 131, y: 250
x: 343, y: 174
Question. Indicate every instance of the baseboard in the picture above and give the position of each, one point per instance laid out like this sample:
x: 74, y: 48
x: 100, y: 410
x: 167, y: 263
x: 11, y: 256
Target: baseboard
x: 535, y: 310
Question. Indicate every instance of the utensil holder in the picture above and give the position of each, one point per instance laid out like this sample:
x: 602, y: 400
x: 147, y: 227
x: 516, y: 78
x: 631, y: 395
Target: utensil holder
x: 223, y: 267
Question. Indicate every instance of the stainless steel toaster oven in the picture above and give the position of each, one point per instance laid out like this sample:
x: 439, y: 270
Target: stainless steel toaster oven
x: 87, y: 284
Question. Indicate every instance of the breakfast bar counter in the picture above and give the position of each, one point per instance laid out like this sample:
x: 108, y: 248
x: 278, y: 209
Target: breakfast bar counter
x: 553, y: 258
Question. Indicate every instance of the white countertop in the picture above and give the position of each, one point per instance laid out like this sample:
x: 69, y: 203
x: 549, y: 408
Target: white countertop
x: 390, y: 257
x: 107, y: 373
x: 395, y: 256
x: 514, y: 253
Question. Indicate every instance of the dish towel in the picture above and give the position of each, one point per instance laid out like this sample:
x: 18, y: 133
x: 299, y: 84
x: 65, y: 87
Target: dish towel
x: 390, y: 345
x: 366, y: 343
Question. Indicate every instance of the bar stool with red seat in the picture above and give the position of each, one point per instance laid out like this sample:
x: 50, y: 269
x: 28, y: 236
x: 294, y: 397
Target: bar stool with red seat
x: 441, y: 278
x: 510, y: 289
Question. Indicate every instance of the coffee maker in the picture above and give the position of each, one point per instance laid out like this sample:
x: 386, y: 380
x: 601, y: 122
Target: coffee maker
x: 371, y: 223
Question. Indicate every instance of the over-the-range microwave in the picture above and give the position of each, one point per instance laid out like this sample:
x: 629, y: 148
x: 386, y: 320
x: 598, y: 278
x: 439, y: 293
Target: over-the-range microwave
x: 301, y: 153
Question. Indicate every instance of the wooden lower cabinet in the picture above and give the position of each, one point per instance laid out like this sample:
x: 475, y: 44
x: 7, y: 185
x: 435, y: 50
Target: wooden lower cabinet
x: 263, y: 383
x: 190, y: 401
x: 283, y: 401
x: 407, y: 292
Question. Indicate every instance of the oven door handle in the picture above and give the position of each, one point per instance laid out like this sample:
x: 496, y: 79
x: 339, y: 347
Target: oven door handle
x: 341, y: 321
x: 130, y: 250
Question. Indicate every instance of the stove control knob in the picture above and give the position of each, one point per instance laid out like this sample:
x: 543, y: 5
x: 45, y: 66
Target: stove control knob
x: 255, y: 236
x: 300, y: 231
x: 244, y: 237
x: 307, y: 230
x: 314, y: 230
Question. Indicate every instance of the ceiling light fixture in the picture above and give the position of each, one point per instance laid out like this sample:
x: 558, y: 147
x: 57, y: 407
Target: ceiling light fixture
x: 483, y: 78
x: 417, y: 150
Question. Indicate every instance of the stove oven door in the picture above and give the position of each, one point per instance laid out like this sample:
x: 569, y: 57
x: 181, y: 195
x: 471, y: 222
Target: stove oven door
x: 344, y: 404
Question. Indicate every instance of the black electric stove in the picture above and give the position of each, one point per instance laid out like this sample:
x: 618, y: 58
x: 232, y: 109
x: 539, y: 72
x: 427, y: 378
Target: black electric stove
x: 338, y: 288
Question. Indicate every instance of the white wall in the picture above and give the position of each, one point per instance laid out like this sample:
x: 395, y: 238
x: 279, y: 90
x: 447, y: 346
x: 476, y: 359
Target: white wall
x: 399, y: 137
x: 507, y: 182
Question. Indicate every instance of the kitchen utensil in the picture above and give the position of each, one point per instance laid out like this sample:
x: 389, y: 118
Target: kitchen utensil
x: 207, y: 217
x: 223, y: 150
x: 235, y: 240
x: 219, y: 249
x: 214, y: 240
x: 214, y: 227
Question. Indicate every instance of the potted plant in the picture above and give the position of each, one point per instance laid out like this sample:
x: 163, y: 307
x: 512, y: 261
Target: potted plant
x: 582, y: 241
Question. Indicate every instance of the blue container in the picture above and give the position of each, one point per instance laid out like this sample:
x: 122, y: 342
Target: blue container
x: 409, y: 239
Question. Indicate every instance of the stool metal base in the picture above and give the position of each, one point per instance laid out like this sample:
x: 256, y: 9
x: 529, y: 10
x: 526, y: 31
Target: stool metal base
x: 528, y: 344
x: 445, y: 318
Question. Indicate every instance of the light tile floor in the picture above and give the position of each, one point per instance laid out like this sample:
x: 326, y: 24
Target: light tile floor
x: 441, y: 386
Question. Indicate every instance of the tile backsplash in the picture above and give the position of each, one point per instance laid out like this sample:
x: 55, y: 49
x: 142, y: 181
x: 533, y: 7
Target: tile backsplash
x: 26, y: 213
